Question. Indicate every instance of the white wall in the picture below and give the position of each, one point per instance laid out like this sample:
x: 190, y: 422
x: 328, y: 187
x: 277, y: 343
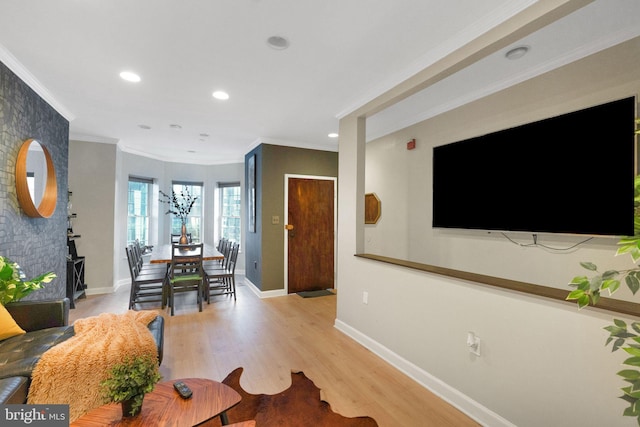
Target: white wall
x: 402, y: 179
x: 98, y: 177
x: 543, y: 362
x: 164, y: 173
x: 140, y: 167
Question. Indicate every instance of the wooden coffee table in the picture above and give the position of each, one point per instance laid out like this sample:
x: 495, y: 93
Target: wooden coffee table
x: 164, y: 407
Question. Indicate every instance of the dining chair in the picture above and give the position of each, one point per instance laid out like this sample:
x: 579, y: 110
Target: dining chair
x: 224, y: 248
x: 146, y: 287
x: 139, y: 260
x: 175, y: 238
x: 186, y: 272
x: 221, y: 281
x: 222, y: 243
x: 219, y: 245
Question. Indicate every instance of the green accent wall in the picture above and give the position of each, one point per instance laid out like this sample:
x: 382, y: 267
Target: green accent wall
x: 265, y: 248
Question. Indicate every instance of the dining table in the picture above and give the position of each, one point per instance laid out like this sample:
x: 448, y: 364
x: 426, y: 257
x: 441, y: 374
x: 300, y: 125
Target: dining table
x: 162, y: 254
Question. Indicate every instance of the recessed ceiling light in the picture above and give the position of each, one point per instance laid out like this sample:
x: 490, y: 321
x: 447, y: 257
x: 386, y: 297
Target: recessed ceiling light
x: 146, y: 127
x: 517, y: 52
x: 204, y: 135
x: 278, y: 42
x: 130, y: 76
x: 191, y: 151
x: 222, y: 95
x: 333, y: 135
x: 175, y: 126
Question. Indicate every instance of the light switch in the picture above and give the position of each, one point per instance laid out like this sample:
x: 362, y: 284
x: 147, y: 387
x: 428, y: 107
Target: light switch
x: 275, y: 219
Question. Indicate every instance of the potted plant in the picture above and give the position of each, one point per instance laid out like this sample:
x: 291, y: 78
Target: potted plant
x: 129, y: 381
x: 623, y: 336
x: 180, y: 207
x: 13, y: 286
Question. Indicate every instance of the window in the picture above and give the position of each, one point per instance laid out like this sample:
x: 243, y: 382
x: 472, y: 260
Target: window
x: 31, y: 183
x: 230, y: 210
x: 138, y: 210
x: 194, y: 220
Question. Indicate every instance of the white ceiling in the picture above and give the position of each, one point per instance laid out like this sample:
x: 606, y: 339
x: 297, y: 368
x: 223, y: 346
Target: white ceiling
x: 342, y: 54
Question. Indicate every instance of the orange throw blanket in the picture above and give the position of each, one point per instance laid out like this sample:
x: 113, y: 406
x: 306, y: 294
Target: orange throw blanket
x: 71, y: 372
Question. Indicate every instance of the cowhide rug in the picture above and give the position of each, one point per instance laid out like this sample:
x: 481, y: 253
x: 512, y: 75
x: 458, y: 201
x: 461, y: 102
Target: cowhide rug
x: 299, y: 405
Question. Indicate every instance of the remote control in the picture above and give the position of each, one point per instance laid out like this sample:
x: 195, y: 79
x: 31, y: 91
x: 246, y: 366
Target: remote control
x: 182, y: 389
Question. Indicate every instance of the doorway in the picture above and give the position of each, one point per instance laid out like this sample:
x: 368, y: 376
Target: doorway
x: 310, y: 238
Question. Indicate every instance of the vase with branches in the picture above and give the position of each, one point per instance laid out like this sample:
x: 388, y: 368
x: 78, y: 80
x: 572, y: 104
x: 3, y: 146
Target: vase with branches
x: 180, y: 205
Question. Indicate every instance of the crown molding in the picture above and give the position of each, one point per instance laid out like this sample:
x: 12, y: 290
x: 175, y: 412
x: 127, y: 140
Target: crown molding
x: 73, y: 136
x: 201, y: 160
x: 304, y: 145
x: 19, y: 70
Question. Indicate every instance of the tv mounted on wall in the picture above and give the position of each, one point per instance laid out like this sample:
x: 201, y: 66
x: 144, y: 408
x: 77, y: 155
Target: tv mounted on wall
x: 570, y: 174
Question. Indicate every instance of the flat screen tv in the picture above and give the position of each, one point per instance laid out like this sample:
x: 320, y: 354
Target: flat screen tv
x: 570, y: 174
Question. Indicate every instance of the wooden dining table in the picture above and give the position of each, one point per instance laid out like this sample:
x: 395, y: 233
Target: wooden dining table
x: 162, y: 254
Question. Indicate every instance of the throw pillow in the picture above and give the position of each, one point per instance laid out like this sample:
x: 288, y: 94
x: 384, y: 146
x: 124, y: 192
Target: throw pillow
x: 8, y: 327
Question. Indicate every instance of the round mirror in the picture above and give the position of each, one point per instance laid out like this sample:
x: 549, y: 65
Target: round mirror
x: 36, y: 180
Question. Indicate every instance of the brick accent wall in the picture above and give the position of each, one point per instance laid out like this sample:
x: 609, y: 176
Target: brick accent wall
x: 37, y: 244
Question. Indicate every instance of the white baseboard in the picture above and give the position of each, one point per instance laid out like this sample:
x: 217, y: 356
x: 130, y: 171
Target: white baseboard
x: 264, y: 294
x: 464, y: 403
x: 122, y: 282
x: 99, y: 291
x: 108, y: 290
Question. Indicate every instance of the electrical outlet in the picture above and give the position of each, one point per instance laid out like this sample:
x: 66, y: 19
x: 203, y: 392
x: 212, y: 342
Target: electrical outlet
x: 365, y: 297
x: 473, y: 343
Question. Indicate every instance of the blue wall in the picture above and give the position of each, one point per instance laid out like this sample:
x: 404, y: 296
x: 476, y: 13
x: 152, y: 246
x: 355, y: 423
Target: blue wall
x: 37, y: 244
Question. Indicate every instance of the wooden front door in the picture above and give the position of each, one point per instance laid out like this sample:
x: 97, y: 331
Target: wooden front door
x: 310, y: 234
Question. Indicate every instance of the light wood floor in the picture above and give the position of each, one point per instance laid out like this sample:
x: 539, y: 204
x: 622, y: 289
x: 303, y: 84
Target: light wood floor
x: 271, y: 337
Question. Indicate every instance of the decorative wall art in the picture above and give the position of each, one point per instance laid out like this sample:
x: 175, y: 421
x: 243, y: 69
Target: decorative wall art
x: 251, y: 190
x: 372, y: 208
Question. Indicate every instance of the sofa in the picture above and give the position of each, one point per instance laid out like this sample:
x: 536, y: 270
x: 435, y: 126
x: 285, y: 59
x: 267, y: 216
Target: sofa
x: 46, y: 324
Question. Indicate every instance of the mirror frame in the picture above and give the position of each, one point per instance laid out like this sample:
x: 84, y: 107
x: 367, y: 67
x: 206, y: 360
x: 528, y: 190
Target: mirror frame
x: 48, y: 203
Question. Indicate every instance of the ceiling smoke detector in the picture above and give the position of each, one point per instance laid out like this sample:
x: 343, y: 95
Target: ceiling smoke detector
x: 278, y: 42
x: 517, y: 52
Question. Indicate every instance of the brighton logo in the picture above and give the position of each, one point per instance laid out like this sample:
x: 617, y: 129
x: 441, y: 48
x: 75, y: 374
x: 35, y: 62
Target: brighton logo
x: 34, y: 415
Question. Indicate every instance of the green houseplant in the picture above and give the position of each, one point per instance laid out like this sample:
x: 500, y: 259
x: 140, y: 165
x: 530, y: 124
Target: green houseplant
x: 621, y: 335
x: 129, y: 381
x: 13, y: 286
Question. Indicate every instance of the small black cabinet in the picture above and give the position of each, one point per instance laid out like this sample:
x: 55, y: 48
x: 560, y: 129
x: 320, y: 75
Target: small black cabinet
x: 75, y: 280
x: 75, y: 264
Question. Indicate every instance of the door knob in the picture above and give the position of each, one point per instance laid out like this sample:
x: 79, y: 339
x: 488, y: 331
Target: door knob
x: 289, y: 228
